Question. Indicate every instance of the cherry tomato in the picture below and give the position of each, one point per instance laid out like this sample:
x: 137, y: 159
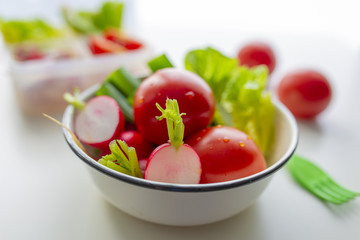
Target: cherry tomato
x: 306, y: 93
x: 257, y: 53
x: 135, y: 139
x: 194, y: 97
x: 100, y: 45
x: 226, y: 153
x: 115, y: 36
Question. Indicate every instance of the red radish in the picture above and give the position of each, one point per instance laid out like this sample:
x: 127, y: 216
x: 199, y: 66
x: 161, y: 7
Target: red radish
x: 116, y: 36
x: 100, y: 45
x: 192, y: 93
x: 99, y: 122
x: 305, y: 92
x: 142, y: 165
x: 257, y: 53
x: 27, y: 53
x: 226, y: 153
x: 173, y: 162
x: 136, y: 140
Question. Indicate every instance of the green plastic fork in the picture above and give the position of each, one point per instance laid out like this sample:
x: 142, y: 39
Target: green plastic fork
x: 319, y: 183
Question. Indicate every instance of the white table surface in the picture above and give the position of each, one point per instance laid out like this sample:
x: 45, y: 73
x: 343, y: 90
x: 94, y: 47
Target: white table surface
x: 46, y: 192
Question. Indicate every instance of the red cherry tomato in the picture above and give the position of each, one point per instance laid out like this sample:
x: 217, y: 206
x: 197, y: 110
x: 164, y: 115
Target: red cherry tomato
x: 306, y: 93
x: 100, y: 45
x: 257, y: 53
x: 194, y: 97
x: 226, y: 154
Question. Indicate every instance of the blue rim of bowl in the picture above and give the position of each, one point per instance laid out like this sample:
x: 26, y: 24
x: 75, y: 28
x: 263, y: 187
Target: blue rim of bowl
x: 67, y: 121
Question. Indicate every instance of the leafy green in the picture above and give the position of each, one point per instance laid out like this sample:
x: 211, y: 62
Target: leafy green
x: 81, y: 22
x: 242, y: 100
x: 124, y: 82
x: 212, y: 66
x: 122, y: 159
x: 36, y: 30
x: 159, y: 62
x: 110, y: 15
x: 86, y: 22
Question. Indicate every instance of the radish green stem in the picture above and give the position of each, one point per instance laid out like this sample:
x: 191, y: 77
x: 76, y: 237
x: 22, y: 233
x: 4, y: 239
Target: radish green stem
x: 74, y: 99
x: 174, y: 122
x: 122, y: 159
x: 124, y: 82
x: 77, y: 141
x: 159, y: 62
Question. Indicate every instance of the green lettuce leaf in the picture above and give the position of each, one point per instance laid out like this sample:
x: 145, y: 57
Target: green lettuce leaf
x: 110, y: 15
x: 242, y: 100
x: 36, y: 30
x: 86, y: 22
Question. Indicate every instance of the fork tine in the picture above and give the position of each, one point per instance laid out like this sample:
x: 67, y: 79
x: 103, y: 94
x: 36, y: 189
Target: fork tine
x: 318, y: 182
x: 320, y: 193
x: 329, y: 190
x: 341, y: 190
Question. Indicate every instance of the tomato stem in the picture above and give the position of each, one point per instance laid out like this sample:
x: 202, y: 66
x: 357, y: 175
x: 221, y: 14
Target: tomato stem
x: 174, y: 121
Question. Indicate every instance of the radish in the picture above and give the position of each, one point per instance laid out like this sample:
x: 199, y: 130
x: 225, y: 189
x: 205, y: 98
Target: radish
x: 99, y: 121
x: 122, y: 159
x: 173, y: 162
x: 136, y: 140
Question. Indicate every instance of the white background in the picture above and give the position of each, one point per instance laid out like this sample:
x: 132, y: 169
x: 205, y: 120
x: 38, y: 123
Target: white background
x: 47, y: 194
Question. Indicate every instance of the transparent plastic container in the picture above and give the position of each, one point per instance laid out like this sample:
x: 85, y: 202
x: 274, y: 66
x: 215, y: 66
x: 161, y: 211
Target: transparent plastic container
x: 40, y: 84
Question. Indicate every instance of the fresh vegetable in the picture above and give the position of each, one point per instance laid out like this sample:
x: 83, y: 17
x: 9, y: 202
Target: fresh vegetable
x: 86, y: 22
x: 257, y: 53
x: 124, y: 82
x: 136, y: 140
x: 112, y: 41
x: 122, y: 159
x: 121, y: 86
x: 107, y: 89
x: 100, y: 45
x: 116, y: 36
x: 98, y: 122
x: 226, y: 154
x: 34, y: 30
x: 173, y: 162
x: 194, y: 97
x: 240, y: 92
x: 159, y: 62
x: 305, y: 92
x: 27, y: 53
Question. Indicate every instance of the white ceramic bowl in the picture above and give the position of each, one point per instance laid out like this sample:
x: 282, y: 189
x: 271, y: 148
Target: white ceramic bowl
x: 187, y: 204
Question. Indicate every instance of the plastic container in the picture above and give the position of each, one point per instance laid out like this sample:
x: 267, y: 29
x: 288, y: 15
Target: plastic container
x: 40, y: 84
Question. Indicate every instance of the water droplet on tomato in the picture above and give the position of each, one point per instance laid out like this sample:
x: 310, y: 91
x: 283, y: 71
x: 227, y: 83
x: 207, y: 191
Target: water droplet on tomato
x: 141, y: 100
x: 242, y: 144
x: 226, y: 140
x: 190, y: 95
x: 219, y: 139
